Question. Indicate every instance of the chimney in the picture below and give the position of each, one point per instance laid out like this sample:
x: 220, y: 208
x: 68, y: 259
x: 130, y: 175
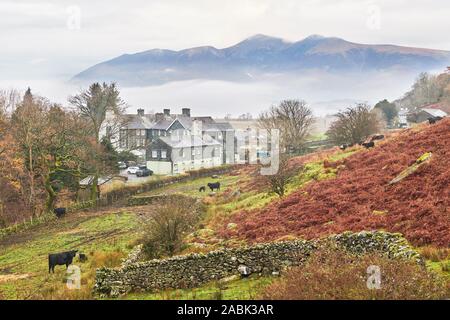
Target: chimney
x: 166, y: 112
x: 186, y: 112
x: 140, y: 112
x: 159, y: 116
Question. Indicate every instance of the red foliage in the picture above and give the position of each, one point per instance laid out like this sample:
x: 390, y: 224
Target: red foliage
x: 417, y: 206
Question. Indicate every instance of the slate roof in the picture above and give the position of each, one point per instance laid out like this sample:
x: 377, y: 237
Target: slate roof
x: 435, y: 112
x: 189, y: 141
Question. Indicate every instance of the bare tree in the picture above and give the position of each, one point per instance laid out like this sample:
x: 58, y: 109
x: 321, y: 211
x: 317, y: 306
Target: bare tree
x: 294, y: 120
x: 103, y: 108
x: 279, y: 181
x: 354, y: 125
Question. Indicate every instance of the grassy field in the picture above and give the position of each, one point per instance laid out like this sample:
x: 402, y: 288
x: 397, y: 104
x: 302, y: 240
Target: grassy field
x: 191, y: 188
x: 240, y: 289
x: 105, y: 238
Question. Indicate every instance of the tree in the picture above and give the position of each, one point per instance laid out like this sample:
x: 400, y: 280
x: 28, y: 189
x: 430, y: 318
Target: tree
x: 168, y: 224
x: 60, y: 154
x: 28, y: 125
x: 278, y: 181
x: 94, y: 104
x: 388, y: 109
x: 354, y: 125
x: 294, y: 120
x: 425, y: 90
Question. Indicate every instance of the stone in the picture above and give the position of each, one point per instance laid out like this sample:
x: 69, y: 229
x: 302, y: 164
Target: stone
x: 231, y: 226
x: 244, y: 270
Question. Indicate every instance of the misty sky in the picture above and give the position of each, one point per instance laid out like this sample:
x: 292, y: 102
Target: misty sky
x: 44, y: 43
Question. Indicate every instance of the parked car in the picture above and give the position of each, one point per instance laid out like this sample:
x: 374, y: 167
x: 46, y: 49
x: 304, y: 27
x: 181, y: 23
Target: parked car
x: 132, y: 170
x: 122, y: 165
x: 144, y: 172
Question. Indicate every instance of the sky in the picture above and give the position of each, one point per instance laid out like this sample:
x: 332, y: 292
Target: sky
x: 45, y: 43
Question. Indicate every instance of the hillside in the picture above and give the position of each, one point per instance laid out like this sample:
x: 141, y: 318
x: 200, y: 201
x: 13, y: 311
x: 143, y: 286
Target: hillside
x: 337, y: 191
x: 259, y: 57
x: 359, y: 197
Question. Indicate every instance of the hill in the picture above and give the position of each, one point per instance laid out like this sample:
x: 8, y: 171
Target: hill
x: 360, y: 197
x: 260, y: 57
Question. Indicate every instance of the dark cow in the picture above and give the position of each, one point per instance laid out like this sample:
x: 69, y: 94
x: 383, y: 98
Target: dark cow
x: 82, y: 257
x: 215, y: 185
x: 59, y: 212
x: 59, y: 259
x: 368, y: 145
x: 343, y: 146
x: 377, y: 137
x: 202, y: 189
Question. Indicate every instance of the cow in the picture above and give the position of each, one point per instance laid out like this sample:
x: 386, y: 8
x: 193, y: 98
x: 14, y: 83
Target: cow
x: 82, y: 257
x: 215, y: 185
x: 377, y: 137
x: 59, y: 259
x: 368, y: 145
x: 343, y: 146
x: 59, y: 212
x: 202, y: 189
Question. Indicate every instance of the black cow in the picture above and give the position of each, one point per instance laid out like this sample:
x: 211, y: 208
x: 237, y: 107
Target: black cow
x: 215, y: 185
x: 202, y: 189
x: 343, y: 146
x: 377, y: 137
x: 59, y: 259
x: 368, y: 145
x: 82, y: 257
x: 59, y: 212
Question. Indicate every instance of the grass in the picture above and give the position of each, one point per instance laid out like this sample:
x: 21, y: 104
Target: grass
x: 191, y: 187
x: 241, y: 289
x: 110, y: 235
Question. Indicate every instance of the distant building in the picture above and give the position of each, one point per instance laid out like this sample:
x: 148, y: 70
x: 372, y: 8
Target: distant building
x: 422, y: 114
x: 403, y: 118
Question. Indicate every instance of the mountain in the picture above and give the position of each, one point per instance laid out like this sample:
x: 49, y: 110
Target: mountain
x: 260, y: 57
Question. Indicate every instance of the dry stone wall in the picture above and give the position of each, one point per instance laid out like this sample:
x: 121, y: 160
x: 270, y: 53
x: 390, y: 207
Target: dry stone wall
x: 196, y: 269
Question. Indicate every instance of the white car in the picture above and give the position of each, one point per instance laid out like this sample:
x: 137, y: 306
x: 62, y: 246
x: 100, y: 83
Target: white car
x: 132, y: 170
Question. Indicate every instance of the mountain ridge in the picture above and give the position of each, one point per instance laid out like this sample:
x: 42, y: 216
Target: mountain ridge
x: 260, y: 55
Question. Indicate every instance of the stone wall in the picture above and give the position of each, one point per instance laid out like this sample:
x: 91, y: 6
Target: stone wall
x: 196, y: 269
x: 145, y: 200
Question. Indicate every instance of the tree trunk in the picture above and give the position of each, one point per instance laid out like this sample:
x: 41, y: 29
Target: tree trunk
x: 31, y: 174
x: 51, y: 194
x: 94, y: 188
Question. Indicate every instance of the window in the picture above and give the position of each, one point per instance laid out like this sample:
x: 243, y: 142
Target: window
x: 163, y: 154
x: 154, y: 154
x: 123, y: 138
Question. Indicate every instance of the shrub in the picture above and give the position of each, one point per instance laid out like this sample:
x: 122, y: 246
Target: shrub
x: 435, y: 254
x: 166, y: 227
x: 334, y: 274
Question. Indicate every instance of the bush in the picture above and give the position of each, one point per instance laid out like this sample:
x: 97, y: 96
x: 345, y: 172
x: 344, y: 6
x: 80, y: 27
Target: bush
x: 335, y: 274
x: 166, y: 227
x: 435, y: 254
